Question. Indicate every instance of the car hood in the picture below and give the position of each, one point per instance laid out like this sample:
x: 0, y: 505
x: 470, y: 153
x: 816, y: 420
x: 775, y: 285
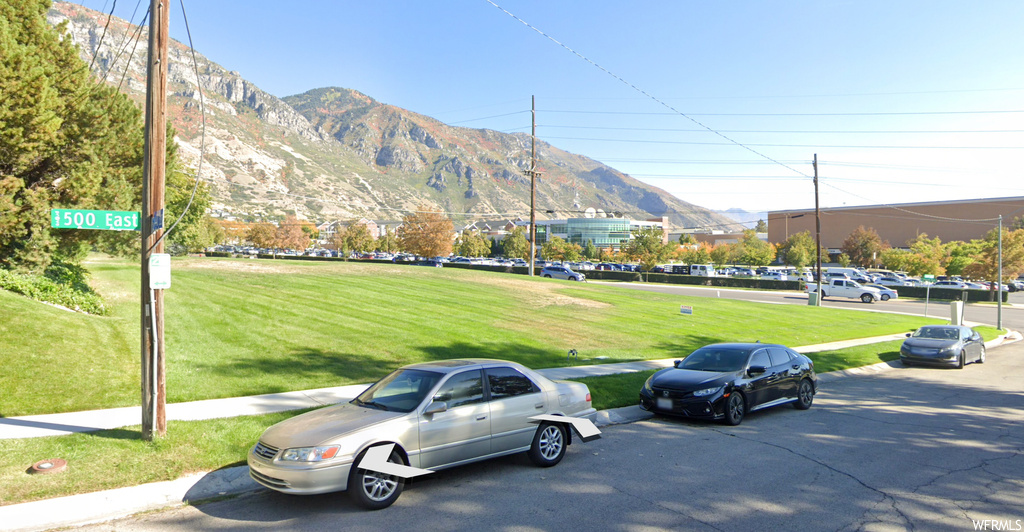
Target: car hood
x: 688, y: 379
x: 931, y: 343
x: 319, y: 426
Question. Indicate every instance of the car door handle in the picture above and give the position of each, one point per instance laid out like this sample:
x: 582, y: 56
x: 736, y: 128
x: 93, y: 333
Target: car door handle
x: 481, y: 418
x: 541, y: 405
x: 796, y: 366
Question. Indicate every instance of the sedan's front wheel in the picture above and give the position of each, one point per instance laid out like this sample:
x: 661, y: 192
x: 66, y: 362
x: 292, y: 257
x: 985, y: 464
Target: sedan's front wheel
x: 735, y: 408
x: 867, y: 298
x: 804, y: 395
x: 981, y: 356
x: 374, y: 490
x: 885, y: 297
x: 963, y: 360
x: 548, y: 444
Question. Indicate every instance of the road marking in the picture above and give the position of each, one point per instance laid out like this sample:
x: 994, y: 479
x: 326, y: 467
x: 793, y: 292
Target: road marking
x: 584, y: 427
x: 376, y: 459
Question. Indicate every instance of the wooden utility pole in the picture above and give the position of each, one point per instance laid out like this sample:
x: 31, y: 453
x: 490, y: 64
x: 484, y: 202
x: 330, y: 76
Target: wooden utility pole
x: 154, y: 399
x: 533, y: 183
x: 817, y: 231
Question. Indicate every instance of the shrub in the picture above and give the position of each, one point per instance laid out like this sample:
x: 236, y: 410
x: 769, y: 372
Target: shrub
x: 62, y: 284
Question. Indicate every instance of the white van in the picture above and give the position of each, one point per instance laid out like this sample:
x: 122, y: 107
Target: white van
x: 703, y: 270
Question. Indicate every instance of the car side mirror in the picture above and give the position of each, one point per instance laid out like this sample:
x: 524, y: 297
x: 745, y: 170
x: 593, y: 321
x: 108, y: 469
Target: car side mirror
x: 908, y: 335
x: 435, y: 407
x: 756, y: 370
x: 676, y: 363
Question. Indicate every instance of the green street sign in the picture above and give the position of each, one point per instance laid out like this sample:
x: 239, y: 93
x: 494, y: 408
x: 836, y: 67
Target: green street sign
x: 103, y: 220
x: 927, y: 277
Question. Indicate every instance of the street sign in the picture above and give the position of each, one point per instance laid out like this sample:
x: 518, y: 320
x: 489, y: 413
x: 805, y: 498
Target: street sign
x: 160, y: 271
x: 86, y: 219
x: 928, y: 277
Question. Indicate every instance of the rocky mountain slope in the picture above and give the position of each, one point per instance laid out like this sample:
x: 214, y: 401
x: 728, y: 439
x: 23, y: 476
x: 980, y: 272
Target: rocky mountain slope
x: 334, y: 153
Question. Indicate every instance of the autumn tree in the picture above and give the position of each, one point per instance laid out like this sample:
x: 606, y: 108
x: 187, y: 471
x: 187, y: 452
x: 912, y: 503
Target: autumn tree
x: 426, y: 233
x: 694, y: 254
x: 961, y: 254
x: 558, y: 249
x: 262, y: 235
x: 515, y: 245
x: 355, y: 237
x: 289, y: 234
x: 721, y: 254
x: 863, y: 246
x: 647, y: 247
x: 987, y: 266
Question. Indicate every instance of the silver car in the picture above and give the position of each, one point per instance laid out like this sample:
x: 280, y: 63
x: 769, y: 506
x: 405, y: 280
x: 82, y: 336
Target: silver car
x: 561, y: 272
x: 437, y: 415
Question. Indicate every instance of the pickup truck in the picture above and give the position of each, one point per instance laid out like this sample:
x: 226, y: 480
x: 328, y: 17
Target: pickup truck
x: 847, y: 288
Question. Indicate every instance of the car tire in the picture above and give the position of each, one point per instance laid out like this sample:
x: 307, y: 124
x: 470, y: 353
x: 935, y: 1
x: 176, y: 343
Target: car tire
x: 373, y: 490
x: 548, y: 444
x: 885, y: 297
x: 962, y: 360
x: 546, y: 276
x: 735, y: 408
x: 906, y: 363
x: 867, y: 298
x: 981, y: 356
x: 804, y: 395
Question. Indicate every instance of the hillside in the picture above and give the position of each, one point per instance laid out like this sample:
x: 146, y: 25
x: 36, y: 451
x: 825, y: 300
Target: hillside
x: 334, y: 153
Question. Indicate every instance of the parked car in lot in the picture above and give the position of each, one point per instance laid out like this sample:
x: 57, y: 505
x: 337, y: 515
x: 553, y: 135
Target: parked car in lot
x: 429, y: 262
x: 725, y: 381
x: 775, y: 276
x: 945, y: 345
x: 884, y: 292
x: 950, y: 284
x: 846, y: 288
x: 561, y: 272
x: 892, y: 281
x: 437, y: 414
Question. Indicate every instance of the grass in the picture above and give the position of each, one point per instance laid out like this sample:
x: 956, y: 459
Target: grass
x: 239, y: 327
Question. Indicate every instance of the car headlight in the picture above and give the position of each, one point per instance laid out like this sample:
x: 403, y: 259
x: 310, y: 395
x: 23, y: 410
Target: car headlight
x: 647, y: 385
x: 309, y: 454
x: 707, y: 391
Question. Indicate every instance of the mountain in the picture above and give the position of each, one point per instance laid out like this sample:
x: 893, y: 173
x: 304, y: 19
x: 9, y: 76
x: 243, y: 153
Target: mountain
x: 334, y: 153
x: 747, y: 218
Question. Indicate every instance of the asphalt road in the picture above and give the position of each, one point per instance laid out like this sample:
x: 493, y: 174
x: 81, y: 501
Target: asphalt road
x: 908, y: 448
x: 1013, y: 310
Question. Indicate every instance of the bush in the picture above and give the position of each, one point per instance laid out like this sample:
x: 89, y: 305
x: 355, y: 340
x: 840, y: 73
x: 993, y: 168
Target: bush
x: 61, y: 284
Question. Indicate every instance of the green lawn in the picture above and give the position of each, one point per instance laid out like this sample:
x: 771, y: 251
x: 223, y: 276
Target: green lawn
x: 239, y: 327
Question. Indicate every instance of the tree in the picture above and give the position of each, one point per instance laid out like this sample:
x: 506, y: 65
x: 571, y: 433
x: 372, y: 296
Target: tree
x: 388, y: 242
x: 863, y: 246
x: 928, y: 255
x: 721, y: 254
x: 289, y: 234
x: 754, y: 251
x: 558, y: 249
x: 799, y: 250
x: 695, y: 254
x: 471, y: 244
x: 590, y: 250
x: 515, y: 245
x: 843, y: 259
x: 647, y: 247
x: 355, y: 237
x: 987, y: 267
x: 961, y: 254
x: 687, y: 238
x: 761, y: 227
x: 426, y: 233
x: 262, y: 235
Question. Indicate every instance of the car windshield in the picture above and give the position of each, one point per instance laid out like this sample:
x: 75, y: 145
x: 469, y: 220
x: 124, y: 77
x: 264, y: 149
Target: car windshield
x: 716, y: 359
x: 944, y: 333
x: 401, y: 391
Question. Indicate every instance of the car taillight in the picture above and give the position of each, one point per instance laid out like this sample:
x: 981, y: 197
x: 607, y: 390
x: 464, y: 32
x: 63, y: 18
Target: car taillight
x: 588, y: 397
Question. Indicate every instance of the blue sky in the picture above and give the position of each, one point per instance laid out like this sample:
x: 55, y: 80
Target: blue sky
x: 740, y: 95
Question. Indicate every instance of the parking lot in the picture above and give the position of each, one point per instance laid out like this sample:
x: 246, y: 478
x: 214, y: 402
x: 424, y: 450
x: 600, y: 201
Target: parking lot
x: 907, y: 448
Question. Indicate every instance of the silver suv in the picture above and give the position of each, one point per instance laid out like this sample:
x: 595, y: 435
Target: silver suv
x: 561, y: 272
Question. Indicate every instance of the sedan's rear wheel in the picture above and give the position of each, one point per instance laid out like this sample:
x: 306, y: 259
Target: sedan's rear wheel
x: 374, y: 490
x: 981, y: 356
x: 804, y: 395
x: 546, y: 276
x: 962, y: 360
x: 548, y: 444
x: 735, y: 408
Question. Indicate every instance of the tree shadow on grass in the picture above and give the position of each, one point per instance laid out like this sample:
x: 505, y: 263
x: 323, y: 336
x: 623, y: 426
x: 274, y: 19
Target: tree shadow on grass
x: 303, y: 366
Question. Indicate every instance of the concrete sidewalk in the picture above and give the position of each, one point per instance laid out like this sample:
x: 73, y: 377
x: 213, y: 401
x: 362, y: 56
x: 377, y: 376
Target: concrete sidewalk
x: 93, y: 420
x: 88, y: 508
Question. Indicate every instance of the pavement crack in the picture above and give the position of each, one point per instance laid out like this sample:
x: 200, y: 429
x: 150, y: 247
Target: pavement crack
x: 885, y: 496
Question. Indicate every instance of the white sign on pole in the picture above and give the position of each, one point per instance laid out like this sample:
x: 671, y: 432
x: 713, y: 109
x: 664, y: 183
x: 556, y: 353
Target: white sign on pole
x: 160, y: 271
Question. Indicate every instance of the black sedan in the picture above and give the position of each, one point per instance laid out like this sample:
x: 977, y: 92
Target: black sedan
x: 943, y: 345
x: 725, y: 381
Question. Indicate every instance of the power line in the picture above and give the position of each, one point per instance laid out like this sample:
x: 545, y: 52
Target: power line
x: 905, y: 113
x: 809, y: 132
x: 771, y: 145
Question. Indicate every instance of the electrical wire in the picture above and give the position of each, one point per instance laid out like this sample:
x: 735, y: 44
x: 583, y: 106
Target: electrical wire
x: 906, y: 113
x: 96, y: 52
x: 645, y: 93
x: 808, y: 132
x: 770, y: 145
